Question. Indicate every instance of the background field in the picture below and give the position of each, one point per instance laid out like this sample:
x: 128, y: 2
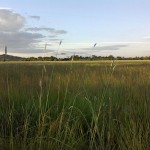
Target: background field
x: 75, y: 105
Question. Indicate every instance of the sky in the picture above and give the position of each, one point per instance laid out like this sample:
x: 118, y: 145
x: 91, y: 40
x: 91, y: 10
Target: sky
x: 120, y: 28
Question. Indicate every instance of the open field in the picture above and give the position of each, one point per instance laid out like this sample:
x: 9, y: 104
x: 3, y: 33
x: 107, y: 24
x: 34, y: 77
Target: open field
x: 75, y: 105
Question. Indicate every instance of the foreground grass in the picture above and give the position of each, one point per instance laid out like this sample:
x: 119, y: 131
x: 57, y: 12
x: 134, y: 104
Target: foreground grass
x: 88, y: 105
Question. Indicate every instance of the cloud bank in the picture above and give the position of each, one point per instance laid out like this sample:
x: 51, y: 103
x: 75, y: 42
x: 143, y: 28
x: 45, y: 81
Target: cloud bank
x: 35, y: 17
x: 50, y: 30
x: 20, y: 39
x: 109, y: 47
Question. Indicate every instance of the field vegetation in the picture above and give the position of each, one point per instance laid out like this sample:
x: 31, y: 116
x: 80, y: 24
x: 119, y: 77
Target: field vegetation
x: 101, y: 105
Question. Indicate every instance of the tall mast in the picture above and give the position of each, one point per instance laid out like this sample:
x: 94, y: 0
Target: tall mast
x: 5, y: 53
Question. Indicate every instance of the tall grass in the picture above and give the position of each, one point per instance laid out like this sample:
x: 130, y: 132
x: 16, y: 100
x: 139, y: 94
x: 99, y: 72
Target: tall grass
x: 80, y: 106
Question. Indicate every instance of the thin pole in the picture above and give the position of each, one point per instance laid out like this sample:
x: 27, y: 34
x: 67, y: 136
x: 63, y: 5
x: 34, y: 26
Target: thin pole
x: 5, y: 53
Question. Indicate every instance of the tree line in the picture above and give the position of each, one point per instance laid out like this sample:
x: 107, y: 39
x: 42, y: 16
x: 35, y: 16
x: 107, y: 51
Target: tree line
x: 84, y: 58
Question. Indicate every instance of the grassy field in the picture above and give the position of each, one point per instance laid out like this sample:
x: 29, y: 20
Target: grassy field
x: 75, y: 105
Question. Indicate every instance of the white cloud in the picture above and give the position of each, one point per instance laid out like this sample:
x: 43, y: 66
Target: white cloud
x: 19, y: 40
x: 10, y: 21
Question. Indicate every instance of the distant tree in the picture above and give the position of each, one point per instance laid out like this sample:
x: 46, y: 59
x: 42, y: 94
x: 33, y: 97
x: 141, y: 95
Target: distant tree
x: 110, y: 57
x: 119, y: 58
x: 40, y: 58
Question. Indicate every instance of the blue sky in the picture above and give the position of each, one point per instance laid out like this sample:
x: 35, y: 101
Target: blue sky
x: 120, y: 28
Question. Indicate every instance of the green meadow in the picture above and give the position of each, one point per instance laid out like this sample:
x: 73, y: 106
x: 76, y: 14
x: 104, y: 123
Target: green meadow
x: 93, y: 105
